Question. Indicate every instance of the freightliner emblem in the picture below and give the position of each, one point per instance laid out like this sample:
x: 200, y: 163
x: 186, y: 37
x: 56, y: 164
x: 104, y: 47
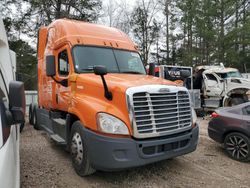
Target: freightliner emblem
x: 164, y: 90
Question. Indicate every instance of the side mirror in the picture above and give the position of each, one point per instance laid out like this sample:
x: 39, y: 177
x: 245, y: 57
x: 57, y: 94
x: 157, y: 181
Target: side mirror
x: 17, y: 101
x: 100, y: 70
x: 50, y: 65
x: 151, y: 70
x: 185, y: 74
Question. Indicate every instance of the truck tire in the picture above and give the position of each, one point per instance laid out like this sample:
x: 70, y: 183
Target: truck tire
x: 35, y: 124
x: 236, y: 100
x: 237, y: 146
x: 31, y: 114
x: 21, y: 127
x: 79, y: 151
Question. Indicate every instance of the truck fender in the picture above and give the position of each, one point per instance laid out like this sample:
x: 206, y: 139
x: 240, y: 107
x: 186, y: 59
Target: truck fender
x: 70, y: 119
x: 234, y: 93
x: 225, y: 100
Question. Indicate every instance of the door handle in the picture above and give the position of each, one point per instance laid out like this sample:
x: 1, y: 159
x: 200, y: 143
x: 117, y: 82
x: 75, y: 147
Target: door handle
x: 56, y: 98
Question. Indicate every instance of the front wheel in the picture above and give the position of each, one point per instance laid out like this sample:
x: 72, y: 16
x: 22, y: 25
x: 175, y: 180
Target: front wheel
x: 237, y: 146
x: 79, y: 151
x: 235, y: 101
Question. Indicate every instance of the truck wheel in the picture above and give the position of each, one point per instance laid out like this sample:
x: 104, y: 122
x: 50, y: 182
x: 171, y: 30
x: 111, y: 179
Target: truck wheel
x: 79, y: 151
x: 35, y: 124
x: 237, y: 146
x: 236, y: 100
x: 31, y: 114
x: 21, y: 127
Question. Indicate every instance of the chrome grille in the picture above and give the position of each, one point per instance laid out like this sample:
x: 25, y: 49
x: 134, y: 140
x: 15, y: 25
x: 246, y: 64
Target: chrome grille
x: 160, y: 113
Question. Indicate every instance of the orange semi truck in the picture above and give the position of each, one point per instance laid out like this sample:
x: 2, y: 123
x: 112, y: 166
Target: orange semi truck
x: 95, y: 97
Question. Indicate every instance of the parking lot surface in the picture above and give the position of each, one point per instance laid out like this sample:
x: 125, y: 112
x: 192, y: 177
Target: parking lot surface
x: 44, y: 164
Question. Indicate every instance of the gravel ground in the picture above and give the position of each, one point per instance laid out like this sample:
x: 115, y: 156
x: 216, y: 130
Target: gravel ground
x: 44, y: 164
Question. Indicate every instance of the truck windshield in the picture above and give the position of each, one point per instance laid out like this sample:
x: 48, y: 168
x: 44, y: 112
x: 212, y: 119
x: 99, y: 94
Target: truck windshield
x: 234, y: 74
x: 116, y: 61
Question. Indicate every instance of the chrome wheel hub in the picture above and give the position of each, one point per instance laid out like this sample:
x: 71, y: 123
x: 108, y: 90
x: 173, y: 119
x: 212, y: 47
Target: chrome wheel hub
x: 237, y: 147
x: 77, y: 148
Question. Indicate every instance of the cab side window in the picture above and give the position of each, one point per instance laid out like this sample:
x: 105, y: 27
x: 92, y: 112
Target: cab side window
x: 211, y: 77
x: 63, y: 63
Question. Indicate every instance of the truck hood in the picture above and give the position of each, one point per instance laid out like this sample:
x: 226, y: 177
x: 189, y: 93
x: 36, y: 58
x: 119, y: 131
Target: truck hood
x: 241, y: 81
x: 89, y: 94
x: 237, y: 83
x: 123, y: 81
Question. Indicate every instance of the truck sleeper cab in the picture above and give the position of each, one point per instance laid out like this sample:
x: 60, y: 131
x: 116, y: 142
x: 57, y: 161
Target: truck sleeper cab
x: 95, y: 98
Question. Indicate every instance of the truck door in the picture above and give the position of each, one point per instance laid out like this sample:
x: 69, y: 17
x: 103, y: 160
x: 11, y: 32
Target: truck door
x: 212, y: 85
x: 62, y: 93
x: 9, y: 145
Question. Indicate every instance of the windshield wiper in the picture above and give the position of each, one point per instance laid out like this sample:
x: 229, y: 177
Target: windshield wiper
x: 131, y: 72
x: 88, y: 69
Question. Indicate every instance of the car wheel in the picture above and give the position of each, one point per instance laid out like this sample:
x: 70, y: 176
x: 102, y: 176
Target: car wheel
x: 31, y: 114
x: 237, y: 146
x: 79, y: 151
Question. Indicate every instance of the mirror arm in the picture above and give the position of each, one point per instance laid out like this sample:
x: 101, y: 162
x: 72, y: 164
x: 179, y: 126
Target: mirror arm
x: 63, y: 82
x: 9, y: 117
x: 107, y: 93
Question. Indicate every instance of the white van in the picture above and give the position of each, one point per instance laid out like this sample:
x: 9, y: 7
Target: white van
x: 12, y: 110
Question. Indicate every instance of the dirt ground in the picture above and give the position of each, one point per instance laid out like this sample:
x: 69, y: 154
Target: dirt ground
x: 44, y: 164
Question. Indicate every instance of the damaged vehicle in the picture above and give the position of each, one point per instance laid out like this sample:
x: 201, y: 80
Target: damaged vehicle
x: 221, y: 86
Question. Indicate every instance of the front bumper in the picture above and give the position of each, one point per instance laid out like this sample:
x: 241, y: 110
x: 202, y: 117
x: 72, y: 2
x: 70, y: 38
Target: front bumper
x: 110, y: 154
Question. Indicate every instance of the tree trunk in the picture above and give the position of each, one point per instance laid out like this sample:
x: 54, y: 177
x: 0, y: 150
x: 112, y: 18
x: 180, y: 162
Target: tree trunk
x: 236, y: 46
x: 243, y: 37
x: 222, y: 33
x: 167, y: 28
x: 58, y: 9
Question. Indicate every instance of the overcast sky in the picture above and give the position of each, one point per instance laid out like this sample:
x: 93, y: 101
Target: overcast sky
x: 132, y: 2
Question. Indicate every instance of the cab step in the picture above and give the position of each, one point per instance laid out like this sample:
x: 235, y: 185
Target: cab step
x: 59, y: 121
x: 58, y: 139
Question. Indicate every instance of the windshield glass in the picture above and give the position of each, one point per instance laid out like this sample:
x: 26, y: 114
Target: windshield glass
x: 235, y: 74
x: 116, y: 61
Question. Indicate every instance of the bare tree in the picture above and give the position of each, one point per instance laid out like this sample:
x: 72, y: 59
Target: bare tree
x: 144, y: 25
x: 117, y: 14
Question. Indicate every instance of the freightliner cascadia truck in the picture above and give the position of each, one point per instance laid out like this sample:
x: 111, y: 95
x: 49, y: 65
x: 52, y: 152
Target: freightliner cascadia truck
x: 95, y: 98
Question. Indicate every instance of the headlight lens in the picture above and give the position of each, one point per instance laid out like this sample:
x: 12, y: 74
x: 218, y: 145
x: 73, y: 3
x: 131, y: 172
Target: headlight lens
x: 110, y: 124
x: 194, y: 117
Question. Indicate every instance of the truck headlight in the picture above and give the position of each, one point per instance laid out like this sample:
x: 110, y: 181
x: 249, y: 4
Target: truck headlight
x: 194, y: 118
x: 109, y: 124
